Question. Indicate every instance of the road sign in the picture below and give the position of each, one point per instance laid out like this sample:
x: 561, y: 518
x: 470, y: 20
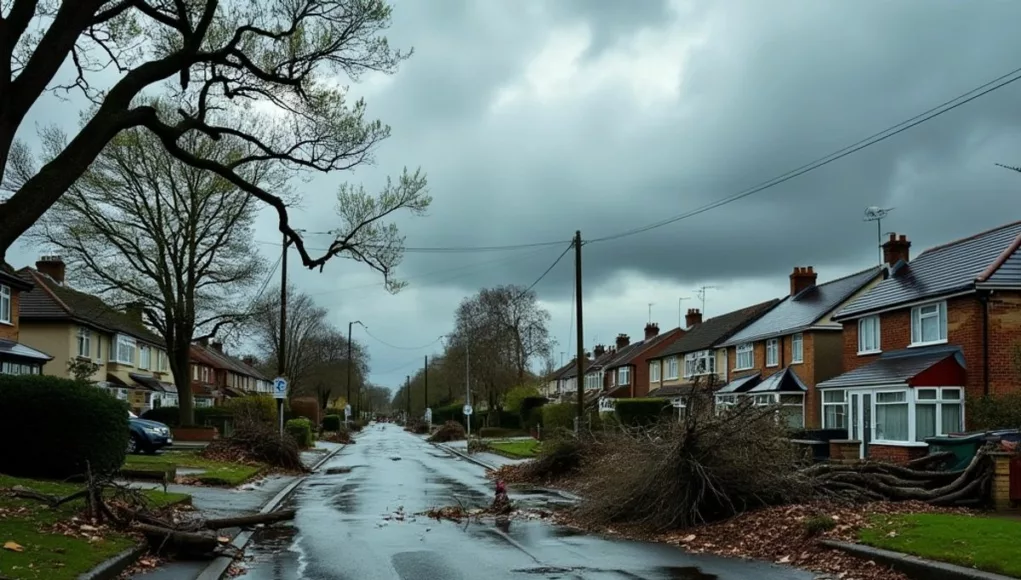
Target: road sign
x: 347, y: 411
x: 280, y: 388
x: 467, y: 410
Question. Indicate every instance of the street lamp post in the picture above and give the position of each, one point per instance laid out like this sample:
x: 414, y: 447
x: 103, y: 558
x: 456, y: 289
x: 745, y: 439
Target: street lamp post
x: 350, y: 364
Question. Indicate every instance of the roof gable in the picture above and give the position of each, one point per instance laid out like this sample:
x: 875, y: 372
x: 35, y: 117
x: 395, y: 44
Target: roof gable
x: 223, y: 361
x: 52, y: 301
x: 715, y: 330
x: 798, y: 312
x: 953, y: 267
x: 628, y: 354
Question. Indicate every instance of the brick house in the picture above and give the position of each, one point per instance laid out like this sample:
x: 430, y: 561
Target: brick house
x: 15, y: 358
x: 780, y: 358
x: 939, y: 328
x: 131, y: 360
x: 627, y: 373
x: 674, y: 370
x: 596, y: 380
x: 229, y: 375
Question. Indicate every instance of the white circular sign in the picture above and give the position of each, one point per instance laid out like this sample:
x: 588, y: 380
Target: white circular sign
x: 467, y: 410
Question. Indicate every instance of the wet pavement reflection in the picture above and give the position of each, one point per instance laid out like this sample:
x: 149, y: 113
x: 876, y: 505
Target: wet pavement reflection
x: 356, y: 521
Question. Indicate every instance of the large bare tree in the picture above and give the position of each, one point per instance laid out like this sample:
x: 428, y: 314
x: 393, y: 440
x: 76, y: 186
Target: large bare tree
x: 327, y: 378
x: 142, y: 227
x: 267, y: 73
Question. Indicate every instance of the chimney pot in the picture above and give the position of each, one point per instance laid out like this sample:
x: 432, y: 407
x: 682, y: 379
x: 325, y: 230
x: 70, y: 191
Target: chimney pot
x: 218, y: 346
x: 802, y: 278
x: 52, y: 266
x: 622, y: 341
x: 694, y: 317
x: 896, y: 249
x: 651, y: 330
x: 600, y: 350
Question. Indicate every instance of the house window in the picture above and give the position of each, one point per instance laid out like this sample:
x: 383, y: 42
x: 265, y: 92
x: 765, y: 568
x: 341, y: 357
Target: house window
x: 929, y: 323
x: 203, y: 402
x: 84, y: 342
x: 724, y: 402
x: 671, y: 369
x: 624, y: 375
x: 772, y: 352
x: 745, y: 357
x: 868, y: 335
x: 798, y: 348
x: 99, y: 347
x: 654, y: 368
x: 195, y: 372
x: 792, y: 409
x: 161, y: 361
x: 892, y: 416
x: 938, y: 412
x: 5, y: 304
x: 834, y: 409
x: 125, y: 351
x: 144, y: 357
x: 699, y: 363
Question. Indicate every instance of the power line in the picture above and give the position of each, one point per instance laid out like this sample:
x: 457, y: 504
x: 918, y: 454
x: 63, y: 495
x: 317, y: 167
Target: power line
x: 401, y: 367
x: 441, y: 249
x: 932, y: 113
x: 553, y: 265
x: 258, y: 294
x: 385, y: 343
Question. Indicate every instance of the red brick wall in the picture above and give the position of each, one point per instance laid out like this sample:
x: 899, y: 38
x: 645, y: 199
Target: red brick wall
x: 7, y: 331
x: 640, y: 369
x: 964, y: 328
x: 896, y: 453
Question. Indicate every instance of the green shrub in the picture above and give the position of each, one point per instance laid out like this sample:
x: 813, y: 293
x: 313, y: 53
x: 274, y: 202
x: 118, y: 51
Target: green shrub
x: 499, y: 418
x: 816, y: 525
x: 530, y: 412
x: 635, y: 412
x: 994, y: 412
x: 301, y: 430
x: 52, y: 427
x: 448, y: 413
x: 261, y: 408
x: 495, y: 432
x: 332, y: 423
x: 559, y: 416
x: 515, y: 397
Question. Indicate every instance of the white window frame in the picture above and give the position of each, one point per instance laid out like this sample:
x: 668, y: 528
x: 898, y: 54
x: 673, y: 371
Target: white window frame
x: 842, y: 403
x: 699, y: 363
x: 144, y: 357
x: 772, y: 352
x: 624, y: 376
x: 123, y: 341
x: 6, y: 305
x: 654, y: 371
x: 671, y: 369
x: 84, y: 342
x: 744, y: 350
x: 938, y: 403
x: 875, y: 416
x: 797, y: 348
x: 937, y: 310
x: 869, y: 328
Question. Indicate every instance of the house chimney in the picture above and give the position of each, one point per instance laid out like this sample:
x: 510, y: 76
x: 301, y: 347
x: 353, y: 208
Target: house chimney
x: 599, y: 350
x: 218, y: 346
x: 134, y: 310
x: 651, y: 330
x: 622, y: 341
x: 896, y: 249
x: 52, y: 266
x: 802, y: 279
x: 204, y: 342
x: 248, y: 360
x: 693, y: 317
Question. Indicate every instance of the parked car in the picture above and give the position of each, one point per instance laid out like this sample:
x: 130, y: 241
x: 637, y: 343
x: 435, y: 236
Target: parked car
x: 147, y: 436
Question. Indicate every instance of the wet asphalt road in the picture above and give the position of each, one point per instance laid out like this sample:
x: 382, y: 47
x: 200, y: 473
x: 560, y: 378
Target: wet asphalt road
x: 361, y: 525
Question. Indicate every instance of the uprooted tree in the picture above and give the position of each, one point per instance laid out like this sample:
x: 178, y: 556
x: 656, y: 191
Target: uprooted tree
x: 264, y: 74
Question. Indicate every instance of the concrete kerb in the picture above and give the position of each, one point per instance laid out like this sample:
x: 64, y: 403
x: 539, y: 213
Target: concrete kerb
x: 113, y: 567
x: 913, y: 566
x: 219, y: 566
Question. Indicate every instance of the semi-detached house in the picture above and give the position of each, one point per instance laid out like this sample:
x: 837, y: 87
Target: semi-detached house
x: 780, y: 358
x: 628, y: 371
x: 939, y: 328
x: 15, y: 358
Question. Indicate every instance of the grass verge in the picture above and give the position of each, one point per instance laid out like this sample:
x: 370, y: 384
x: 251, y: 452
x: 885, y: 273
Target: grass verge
x: 985, y: 543
x: 221, y: 473
x: 522, y: 449
x: 49, y: 554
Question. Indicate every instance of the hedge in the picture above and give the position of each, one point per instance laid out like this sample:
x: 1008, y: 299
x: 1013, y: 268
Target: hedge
x: 559, y: 416
x: 448, y: 413
x: 495, y: 432
x: 634, y: 412
x: 332, y: 423
x: 301, y: 430
x: 52, y: 427
x: 994, y: 411
x: 260, y: 407
x: 171, y: 416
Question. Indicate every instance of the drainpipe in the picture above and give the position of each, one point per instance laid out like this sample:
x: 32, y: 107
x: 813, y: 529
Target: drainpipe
x: 984, y: 299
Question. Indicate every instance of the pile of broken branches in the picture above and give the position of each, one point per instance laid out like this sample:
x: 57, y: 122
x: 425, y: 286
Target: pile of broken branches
x: 255, y: 441
x: 450, y: 431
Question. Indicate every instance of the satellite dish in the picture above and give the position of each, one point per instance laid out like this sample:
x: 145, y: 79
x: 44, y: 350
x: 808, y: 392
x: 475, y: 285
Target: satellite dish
x: 875, y: 212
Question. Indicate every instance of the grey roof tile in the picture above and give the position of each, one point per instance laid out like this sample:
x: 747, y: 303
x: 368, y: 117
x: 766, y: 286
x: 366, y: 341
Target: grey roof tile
x: 10, y: 349
x: 894, y: 367
x: 1009, y: 272
x: 785, y: 381
x: 740, y: 384
x: 942, y: 270
x: 717, y: 329
x: 798, y: 312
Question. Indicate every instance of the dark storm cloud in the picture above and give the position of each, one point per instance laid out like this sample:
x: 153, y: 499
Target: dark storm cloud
x: 771, y: 87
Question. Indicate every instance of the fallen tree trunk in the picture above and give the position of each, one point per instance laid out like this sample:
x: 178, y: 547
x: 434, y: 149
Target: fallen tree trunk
x: 167, y: 540
x: 246, y: 521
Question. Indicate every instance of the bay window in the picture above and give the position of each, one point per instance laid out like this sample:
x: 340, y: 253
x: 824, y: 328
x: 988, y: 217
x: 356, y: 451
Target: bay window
x: 834, y: 409
x: 123, y: 350
x: 84, y: 342
x: 868, y: 335
x: 792, y: 409
x: 938, y: 411
x: 699, y: 363
x: 671, y: 369
x: 772, y: 352
x: 892, y: 416
x: 929, y: 324
x: 624, y: 375
x: 798, y: 348
x: 745, y: 357
x: 654, y: 367
x: 6, y: 315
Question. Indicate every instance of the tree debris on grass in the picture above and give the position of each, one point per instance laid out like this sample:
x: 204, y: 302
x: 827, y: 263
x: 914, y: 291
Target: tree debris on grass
x: 449, y: 431
x: 259, y: 442
x: 417, y: 426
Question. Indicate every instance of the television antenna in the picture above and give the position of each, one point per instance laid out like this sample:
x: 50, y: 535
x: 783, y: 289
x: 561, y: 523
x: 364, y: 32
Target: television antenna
x: 874, y: 213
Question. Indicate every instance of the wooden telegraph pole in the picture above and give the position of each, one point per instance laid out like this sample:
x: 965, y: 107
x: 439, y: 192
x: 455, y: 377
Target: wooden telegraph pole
x: 581, y: 332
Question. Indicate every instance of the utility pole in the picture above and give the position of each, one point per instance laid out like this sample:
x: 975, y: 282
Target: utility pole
x: 580, y: 328
x: 425, y: 382
x: 350, y: 364
x: 467, y: 385
x: 407, y: 394
x: 282, y: 354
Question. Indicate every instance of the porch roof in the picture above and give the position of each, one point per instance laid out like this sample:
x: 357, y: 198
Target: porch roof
x: 785, y: 381
x: 895, y: 367
x: 740, y: 385
x: 10, y: 349
x: 672, y: 391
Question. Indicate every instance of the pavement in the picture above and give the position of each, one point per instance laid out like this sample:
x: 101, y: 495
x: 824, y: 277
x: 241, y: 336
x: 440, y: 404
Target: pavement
x: 491, y: 460
x: 356, y: 521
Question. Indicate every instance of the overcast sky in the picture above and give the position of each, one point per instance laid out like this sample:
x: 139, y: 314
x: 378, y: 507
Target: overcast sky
x: 534, y: 119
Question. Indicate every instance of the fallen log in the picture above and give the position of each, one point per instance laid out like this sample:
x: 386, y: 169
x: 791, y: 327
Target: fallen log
x: 167, y: 540
x: 51, y: 500
x: 246, y: 521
